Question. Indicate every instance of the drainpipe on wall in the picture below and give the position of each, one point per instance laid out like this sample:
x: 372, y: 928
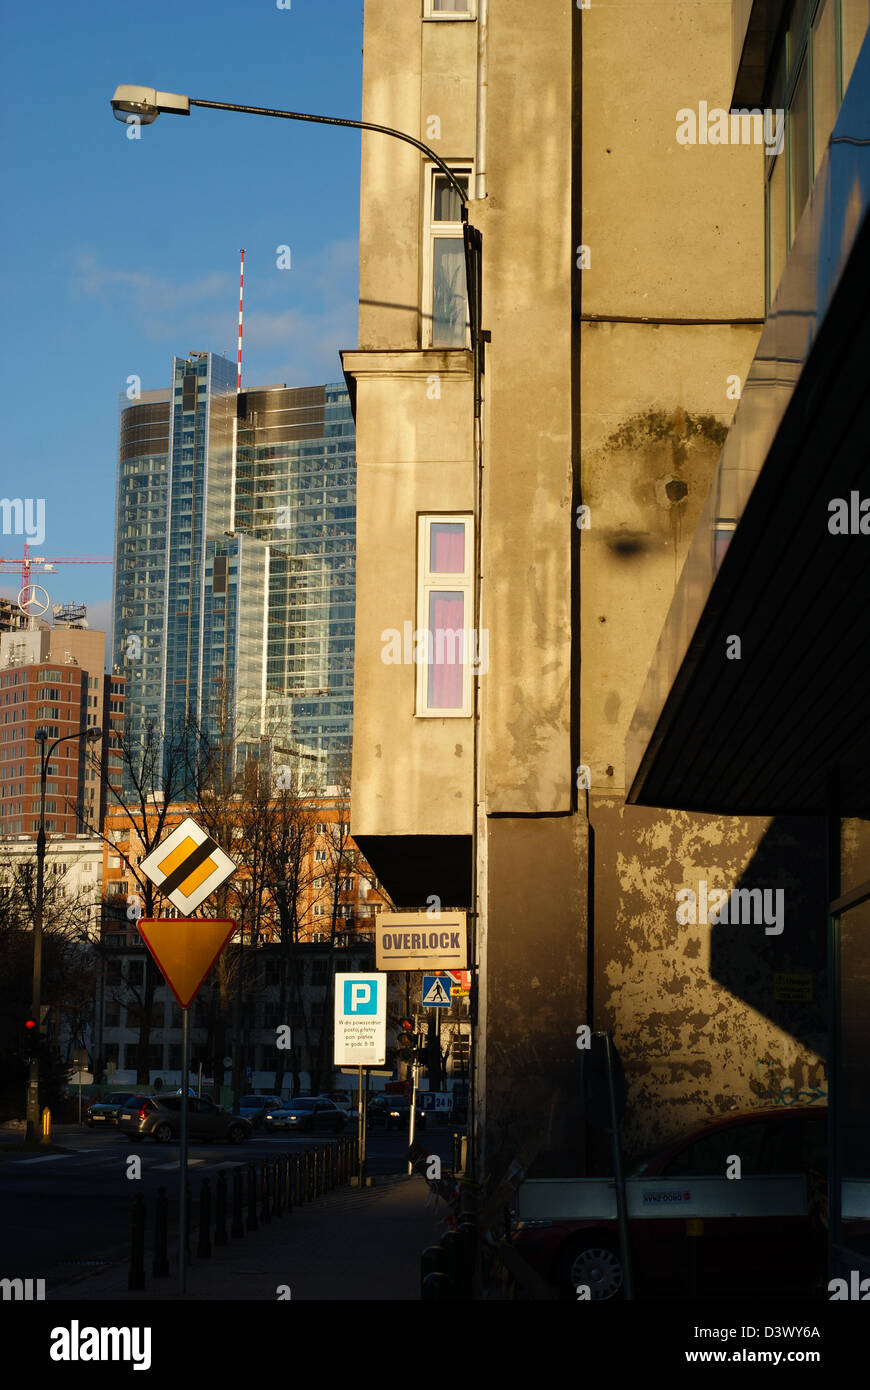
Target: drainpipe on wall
x: 475, y: 1157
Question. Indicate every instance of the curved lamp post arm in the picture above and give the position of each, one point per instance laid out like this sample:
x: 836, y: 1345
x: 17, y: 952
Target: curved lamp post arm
x: 355, y: 125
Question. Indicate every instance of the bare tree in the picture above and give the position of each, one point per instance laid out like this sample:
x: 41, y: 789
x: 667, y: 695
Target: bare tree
x: 151, y: 778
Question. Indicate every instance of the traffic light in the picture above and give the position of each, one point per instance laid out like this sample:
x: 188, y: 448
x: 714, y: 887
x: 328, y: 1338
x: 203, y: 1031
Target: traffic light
x: 29, y: 1038
x: 407, y: 1040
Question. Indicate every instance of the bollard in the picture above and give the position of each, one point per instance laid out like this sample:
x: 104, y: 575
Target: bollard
x: 136, y: 1279
x: 453, y: 1246
x: 315, y: 1171
x: 456, y: 1152
x: 438, y: 1286
x: 238, y: 1226
x: 265, y: 1213
x: 277, y: 1187
x: 46, y: 1125
x: 306, y: 1177
x: 431, y: 1262
x: 187, y: 1224
x: 160, y: 1263
x: 467, y: 1232
x: 203, y: 1248
x: 288, y: 1192
x: 251, y: 1222
x: 298, y: 1185
x: 220, y: 1214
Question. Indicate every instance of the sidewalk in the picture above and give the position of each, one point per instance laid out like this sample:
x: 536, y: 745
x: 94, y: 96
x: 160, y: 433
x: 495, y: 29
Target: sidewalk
x: 347, y: 1245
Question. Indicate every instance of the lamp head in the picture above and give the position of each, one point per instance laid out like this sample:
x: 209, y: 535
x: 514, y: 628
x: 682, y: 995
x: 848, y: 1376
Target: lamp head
x: 93, y: 734
x: 146, y: 104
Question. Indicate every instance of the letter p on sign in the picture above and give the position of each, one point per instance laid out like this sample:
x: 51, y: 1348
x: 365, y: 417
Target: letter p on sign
x: 360, y: 997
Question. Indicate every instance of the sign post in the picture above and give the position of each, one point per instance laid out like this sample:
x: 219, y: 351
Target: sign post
x: 360, y: 1036
x: 182, y: 1155
x: 186, y: 867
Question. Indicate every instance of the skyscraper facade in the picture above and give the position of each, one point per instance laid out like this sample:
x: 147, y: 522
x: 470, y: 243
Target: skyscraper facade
x: 234, y: 588
x: 296, y: 491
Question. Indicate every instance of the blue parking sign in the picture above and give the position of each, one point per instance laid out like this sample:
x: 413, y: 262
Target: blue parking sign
x: 360, y: 996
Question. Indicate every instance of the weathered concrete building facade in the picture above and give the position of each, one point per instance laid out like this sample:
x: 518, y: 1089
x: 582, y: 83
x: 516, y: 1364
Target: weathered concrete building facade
x: 624, y: 292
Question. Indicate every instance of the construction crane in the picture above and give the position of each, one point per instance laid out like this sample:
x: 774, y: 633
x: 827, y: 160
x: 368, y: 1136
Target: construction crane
x: 42, y: 564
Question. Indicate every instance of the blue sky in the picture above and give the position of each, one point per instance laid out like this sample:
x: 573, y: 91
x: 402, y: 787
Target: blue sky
x: 120, y: 252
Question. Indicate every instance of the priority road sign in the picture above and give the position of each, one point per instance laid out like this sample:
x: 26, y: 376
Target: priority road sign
x: 185, y: 950
x: 436, y: 990
x: 187, y: 866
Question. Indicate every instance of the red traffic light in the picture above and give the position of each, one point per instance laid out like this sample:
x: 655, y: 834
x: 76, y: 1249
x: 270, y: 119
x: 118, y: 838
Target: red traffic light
x: 407, y: 1025
x: 30, y: 1023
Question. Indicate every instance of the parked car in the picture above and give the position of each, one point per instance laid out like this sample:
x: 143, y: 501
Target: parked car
x: 761, y: 1254
x: 306, y: 1113
x: 102, y: 1113
x: 160, y: 1117
x: 393, y: 1112
x: 254, y: 1107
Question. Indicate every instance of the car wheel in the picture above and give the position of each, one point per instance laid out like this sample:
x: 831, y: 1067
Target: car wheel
x: 163, y: 1133
x: 590, y: 1261
x: 236, y: 1134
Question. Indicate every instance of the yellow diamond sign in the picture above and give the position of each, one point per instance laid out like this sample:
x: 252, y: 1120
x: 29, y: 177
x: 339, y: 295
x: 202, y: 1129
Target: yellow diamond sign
x: 187, y: 866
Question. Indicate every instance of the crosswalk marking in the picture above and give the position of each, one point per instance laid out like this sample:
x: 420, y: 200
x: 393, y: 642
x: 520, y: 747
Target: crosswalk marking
x: 191, y: 1162
x: 45, y: 1158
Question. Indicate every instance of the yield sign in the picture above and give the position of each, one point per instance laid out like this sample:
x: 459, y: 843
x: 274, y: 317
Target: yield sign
x: 185, y: 949
x: 187, y: 866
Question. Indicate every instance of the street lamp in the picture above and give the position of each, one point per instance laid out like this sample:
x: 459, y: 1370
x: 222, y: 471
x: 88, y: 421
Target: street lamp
x: 41, y: 737
x: 146, y: 104
x: 142, y: 106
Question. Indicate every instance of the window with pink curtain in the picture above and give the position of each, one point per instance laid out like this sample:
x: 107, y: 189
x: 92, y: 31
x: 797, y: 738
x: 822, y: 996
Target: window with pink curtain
x: 447, y: 547
x: 446, y: 643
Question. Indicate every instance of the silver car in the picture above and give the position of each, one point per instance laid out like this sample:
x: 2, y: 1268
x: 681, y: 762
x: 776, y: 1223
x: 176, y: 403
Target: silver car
x: 162, y: 1119
x: 307, y: 1113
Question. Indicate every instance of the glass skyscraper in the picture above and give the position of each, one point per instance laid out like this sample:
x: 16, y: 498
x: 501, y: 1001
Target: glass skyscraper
x: 235, y: 563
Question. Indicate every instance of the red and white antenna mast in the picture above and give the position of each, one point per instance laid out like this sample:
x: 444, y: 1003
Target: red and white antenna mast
x: 241, y: 298
x: 238, y: 393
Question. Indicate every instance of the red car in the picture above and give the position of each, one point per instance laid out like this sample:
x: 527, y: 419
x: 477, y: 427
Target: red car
x: 729, y: 1256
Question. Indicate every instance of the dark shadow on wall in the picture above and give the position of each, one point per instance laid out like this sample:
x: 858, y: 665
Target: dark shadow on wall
x: 774, y: 955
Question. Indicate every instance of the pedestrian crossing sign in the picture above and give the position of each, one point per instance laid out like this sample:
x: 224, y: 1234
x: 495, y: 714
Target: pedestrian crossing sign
x: 436, y: 990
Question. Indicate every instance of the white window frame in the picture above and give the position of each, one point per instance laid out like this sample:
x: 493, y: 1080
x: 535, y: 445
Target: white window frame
x: 431, y: 230
x: 430, y: 12
x: 429, y: 581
